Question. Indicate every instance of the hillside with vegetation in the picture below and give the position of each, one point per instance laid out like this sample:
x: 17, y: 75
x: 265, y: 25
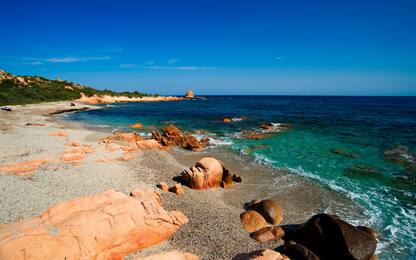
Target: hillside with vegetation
x: 19, y: 90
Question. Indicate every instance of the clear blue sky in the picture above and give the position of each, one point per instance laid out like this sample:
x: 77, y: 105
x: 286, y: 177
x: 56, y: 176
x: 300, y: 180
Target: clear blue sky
x: 216, y: 47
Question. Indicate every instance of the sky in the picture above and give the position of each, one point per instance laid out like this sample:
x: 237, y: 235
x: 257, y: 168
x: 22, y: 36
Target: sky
x: 215, y: 47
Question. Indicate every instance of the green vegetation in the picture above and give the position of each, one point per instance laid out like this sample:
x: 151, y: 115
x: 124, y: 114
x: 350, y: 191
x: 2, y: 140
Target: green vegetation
x: 16, y: 90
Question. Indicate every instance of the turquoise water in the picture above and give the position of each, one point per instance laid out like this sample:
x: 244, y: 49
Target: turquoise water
x: 338, y: 142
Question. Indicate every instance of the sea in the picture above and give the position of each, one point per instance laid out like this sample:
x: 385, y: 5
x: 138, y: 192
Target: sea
x: 363, y: 148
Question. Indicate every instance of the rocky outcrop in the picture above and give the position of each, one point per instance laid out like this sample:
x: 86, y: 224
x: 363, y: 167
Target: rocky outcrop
x: 172, y: 136
x: 171, y: 255
x: 269, y: 209
x: 264, y: 254
x: 328, y: 237
x: 108, y: 225
x: 207, y: 173
x: 189, y: 94
x: 22, y: 168
x: 163, y: 186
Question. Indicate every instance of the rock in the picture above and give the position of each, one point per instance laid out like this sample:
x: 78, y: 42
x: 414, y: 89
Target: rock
x: 171, y: 255
x: 402, y: 155
x: 69, y: 157
x: 177, y: 188
x: 252, y: 220
x: 237, y: 178
x: 359, y: 171
x: 109, y: 225
x: 268, y: 234
x: 369, y: 230
x: 269, y: 209
x: 252, y: 134
x: 263, y: 254
x: 299, y: 252
x: 125, y: 158
x: 61, y: 134
x: 136, y: 126
x: 332, y: 238
x: 172, y: 136
x: 268, y: 126
x: 148, y: 145
x: 127, y: 137
x: 22, y: 168
x: 344, y: 153
x: 207, y: 173
x: 227, y: 120
x: 163, y: 186
x: 189, y: 94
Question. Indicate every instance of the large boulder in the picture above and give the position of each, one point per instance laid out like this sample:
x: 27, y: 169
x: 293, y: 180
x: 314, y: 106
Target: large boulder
x: 252, y: 220
x: 329, y: 237
x: 207, y: 173
x: 269, y: 209
x: 108, y: 225
x: 268, y: 234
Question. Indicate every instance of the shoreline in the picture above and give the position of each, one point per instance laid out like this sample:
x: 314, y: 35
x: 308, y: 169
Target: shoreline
x: 213, y: 214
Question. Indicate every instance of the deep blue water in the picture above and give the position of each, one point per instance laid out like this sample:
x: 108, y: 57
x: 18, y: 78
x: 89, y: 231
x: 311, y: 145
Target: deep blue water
x: 363, y: 127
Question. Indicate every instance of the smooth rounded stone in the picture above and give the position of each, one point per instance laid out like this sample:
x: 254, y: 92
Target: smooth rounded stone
x: 171, y: 255
x: 252, y: 220
x: 109, y: 225
x: 263, y: 254
x: 332, y: 238
x: 269, y: 209
x: 299, y: 252
x: 207, y: 173
x: 268, y: 234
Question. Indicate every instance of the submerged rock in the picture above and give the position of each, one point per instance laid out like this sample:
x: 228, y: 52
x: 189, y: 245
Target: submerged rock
x: 207, y: 173
x: 358, y: 171
x: 329, y: 237
x: 402, y: 155
x: 108, y: 225
x: 344, y: 153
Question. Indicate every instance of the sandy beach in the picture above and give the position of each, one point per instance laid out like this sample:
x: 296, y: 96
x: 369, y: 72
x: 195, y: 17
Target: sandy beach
x: 214, y: 230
